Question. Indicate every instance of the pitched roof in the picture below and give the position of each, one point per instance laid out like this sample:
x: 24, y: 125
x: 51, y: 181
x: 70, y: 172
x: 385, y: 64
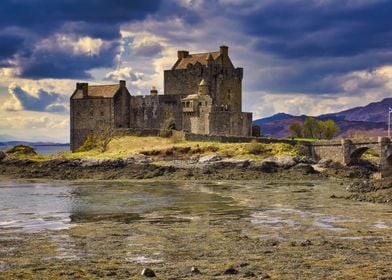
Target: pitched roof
x: 107, y: 91
x: 194, y: 58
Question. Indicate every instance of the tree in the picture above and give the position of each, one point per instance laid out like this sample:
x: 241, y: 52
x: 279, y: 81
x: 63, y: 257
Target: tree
x: 296, y: 129
x: 104, y: 136
x: 310, y: 127
x: 330, y: 129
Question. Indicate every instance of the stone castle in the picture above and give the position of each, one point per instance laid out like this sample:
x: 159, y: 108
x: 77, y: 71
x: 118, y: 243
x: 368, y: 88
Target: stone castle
x: 202, y: 95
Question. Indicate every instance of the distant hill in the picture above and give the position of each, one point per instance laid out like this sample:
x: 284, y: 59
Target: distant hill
x: 373, y: 112
x: 369, y: 120
x: 276, y: 117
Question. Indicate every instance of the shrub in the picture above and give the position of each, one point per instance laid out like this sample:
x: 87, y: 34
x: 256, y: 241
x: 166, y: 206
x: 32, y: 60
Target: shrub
x: 255, y: 148
x: 89, y: 144
x: 165, y: 133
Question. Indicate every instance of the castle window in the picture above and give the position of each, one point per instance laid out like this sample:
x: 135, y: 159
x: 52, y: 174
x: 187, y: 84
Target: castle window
x: 91, y: 113
x: 102, y: 113
x: 200, y: 104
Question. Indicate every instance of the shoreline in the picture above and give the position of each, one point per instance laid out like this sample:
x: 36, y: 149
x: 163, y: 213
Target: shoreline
x: 362, y: 188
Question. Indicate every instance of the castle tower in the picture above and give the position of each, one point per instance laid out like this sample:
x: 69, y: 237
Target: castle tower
x: 203, y: 88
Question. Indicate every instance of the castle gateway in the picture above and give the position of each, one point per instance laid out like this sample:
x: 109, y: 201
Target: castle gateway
x: 202, y: 95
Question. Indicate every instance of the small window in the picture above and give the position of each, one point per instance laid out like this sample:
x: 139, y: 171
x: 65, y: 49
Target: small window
x: 102, y: 113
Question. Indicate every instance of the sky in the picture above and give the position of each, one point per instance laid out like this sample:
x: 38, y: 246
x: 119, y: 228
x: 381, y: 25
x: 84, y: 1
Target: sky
x: 299, y: 56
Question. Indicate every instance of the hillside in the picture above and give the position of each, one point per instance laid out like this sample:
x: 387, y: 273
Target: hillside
x: 369, y: 120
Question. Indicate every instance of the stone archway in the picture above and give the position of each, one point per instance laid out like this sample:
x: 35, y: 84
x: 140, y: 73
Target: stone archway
x: 356, y: 155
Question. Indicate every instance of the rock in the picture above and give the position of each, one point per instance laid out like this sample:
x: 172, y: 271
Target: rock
x: 285, y: 161
x: 210, y: 158
x: 148, y: 272
x: 230, y: 271
x: 360, y: 187
x: 249, y: 274
x: 318, y: 167
x: 306, y: 243
x: 195, y: 270
x: 2, y: 155
x: 264, y: 276
x: 305, y: 168
x: 137, y: 159
x: 267, y: 166
x: 237, y: 163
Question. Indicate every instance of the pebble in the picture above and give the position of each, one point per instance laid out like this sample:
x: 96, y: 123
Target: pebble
x: 195, y: 270
x: 148, y: 273
x: 230, y: 271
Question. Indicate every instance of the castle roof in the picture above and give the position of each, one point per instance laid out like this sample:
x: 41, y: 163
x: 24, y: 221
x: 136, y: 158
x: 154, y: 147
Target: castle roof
x: 107, y: 91
x: 190, y: 97
x: 196, y: 57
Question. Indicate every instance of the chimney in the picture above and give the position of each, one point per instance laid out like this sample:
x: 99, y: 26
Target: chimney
x: 182, y: 54
x: 224, y: 50
x: 123, y: 83
x: 153, y: 91
x: 83, y: 87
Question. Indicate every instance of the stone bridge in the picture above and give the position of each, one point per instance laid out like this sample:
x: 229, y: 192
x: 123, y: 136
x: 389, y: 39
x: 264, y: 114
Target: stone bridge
x: 349, y: 151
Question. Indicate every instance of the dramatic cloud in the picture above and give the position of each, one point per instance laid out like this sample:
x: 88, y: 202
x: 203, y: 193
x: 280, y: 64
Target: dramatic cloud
x: 125, y: 73
x: 41, y: 101
x: 63, y: 39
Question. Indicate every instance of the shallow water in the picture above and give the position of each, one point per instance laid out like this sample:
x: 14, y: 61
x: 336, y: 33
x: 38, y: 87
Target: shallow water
x: 172, y: 225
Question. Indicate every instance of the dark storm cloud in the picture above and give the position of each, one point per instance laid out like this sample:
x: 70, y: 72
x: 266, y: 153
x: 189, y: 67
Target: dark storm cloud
x: 306, y: 29
x: 42, y: 102
x: 61, y: 64
x: 316, y: 43
x: 40, y: 19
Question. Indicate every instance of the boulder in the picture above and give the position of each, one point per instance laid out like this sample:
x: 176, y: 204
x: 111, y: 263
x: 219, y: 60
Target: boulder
x: 267, y: 166
x: 360, y: 187
x: 305, y: 168
x: 285, y: 161
x: 210, y: 158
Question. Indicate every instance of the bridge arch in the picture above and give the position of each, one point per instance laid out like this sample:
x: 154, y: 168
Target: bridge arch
x: 357, y: 154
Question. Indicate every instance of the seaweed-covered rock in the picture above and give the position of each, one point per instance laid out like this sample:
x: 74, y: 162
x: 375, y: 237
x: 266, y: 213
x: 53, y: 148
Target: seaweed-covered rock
x: 21, y: 150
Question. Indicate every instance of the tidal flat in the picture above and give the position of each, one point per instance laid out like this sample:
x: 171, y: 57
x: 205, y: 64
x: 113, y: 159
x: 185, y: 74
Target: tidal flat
x: 279, y: 229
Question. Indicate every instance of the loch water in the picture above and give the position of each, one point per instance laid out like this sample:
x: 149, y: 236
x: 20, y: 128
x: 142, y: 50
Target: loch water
x: 286, y: 229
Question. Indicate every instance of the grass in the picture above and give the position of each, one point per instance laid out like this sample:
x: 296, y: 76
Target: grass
x: 173, y: 148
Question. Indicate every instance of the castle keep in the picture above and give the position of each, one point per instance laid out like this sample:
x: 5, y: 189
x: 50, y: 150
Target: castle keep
x: 202, y: 95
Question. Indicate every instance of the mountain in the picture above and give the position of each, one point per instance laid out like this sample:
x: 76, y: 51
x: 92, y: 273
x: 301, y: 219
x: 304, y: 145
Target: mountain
x: 369, y: 120
x: 373, y: 112
x: 276, y: 117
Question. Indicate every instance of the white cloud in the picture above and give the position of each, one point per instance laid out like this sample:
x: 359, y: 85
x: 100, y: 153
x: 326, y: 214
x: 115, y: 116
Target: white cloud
x: 82, y: 45
x: 125, y: 73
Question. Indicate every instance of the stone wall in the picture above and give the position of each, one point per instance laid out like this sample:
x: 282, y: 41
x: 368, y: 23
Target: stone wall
x: 230, y: 123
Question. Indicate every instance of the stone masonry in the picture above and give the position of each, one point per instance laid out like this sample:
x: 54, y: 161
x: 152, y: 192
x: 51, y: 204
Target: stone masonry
x: 202, y: 95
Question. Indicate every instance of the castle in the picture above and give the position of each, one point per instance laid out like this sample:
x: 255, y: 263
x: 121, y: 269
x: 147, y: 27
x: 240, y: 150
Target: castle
x: 202, y: 95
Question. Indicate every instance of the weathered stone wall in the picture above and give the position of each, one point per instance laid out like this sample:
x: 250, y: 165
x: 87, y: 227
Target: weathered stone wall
x: 230, y: 123
x: 86, y: 115
x: 234, y: 139
x: 150, y: 112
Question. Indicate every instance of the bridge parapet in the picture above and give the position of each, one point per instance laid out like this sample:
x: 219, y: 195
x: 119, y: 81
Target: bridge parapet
x: 349, y: 151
